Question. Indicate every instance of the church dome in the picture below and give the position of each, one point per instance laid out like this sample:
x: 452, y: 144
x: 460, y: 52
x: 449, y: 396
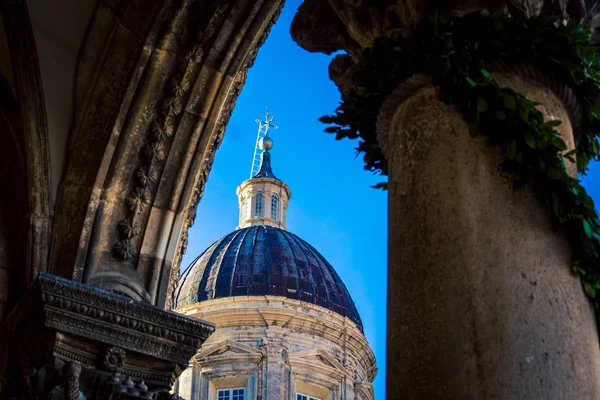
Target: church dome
x: 263, y: 260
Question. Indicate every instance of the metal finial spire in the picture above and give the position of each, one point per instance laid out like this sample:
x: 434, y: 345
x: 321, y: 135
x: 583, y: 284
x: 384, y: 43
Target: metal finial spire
x: 263, y: 132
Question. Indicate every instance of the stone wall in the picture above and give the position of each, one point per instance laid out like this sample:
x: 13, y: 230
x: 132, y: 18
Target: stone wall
x: 275, y: 347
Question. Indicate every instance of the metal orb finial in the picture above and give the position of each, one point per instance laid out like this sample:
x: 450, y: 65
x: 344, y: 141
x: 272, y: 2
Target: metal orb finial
x: 266, y: 143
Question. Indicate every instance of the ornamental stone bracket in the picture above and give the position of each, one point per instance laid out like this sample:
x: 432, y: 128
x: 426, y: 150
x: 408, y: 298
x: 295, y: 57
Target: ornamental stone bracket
x: 106, y: 345
x: 351, y: 26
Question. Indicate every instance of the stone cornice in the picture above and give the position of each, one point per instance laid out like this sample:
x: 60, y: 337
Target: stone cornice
x: 265, y: 181
x: 332, y: 25
x: 289, y: 315
x: 105, y: 317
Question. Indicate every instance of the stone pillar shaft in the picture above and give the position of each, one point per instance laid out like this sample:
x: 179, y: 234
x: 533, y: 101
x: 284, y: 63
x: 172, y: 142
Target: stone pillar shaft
x: 276, y: 375
x: 482, y: 303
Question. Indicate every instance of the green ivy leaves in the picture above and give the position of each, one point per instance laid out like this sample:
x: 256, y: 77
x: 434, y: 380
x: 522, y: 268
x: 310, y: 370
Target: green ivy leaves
x: 456, y: 53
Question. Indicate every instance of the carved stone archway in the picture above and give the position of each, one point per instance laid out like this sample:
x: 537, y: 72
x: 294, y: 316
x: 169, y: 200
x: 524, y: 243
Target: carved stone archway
x: 154, y: 92
x: 155, y: 84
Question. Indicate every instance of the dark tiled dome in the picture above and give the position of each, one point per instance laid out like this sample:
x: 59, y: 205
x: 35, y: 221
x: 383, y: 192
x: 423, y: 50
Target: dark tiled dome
x: 262, y: 260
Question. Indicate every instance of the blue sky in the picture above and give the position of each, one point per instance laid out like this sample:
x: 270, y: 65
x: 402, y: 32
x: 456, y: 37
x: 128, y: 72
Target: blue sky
x: 332, y: 205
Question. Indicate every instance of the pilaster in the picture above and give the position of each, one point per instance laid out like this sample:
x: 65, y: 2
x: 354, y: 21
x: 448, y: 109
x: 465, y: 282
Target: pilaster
x: 275, y: 350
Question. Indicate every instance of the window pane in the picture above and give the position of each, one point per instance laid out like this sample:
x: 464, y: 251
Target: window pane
x: 275, y: 207
x: 238, y: 394
x: 223, y: 394
x: 300, y: 396
x: 259, y: 205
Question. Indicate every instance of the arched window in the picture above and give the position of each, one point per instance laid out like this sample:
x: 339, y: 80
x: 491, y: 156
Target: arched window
x: 275, y: 207
x: 259, y: 206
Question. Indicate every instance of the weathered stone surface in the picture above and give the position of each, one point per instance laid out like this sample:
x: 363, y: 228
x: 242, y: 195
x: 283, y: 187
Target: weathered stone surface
x: 61, y: 321
x: 332, y: 25
x: 275, y: 347
x: 481, y: 299
x: 154, y: 93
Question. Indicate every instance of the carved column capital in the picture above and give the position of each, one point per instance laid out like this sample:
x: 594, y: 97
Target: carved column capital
x: 272, y: 347
x: 333, y: 25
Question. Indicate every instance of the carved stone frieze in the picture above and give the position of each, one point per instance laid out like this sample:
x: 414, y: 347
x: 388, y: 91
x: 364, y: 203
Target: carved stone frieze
x: 137, y: 326
x: 105, y: 333
x: 69, y: 390
x: 329, y: 26
x: 154, y: 93
x: 274, y: 346
x: 114, y: 359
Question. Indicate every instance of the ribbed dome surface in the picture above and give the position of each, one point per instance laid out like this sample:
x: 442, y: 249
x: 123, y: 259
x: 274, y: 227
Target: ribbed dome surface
x: 262, y: 260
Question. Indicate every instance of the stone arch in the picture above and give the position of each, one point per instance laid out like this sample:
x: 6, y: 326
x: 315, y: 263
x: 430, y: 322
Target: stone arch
x: 155, y: 87
x: 28, y: 118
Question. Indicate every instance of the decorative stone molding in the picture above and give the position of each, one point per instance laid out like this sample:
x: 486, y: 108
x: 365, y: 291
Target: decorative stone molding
x: 333, y: 25
x: 70, y: 321
x: 530, y: 73
x: 229, y: 352
x: 268, y: 187
x: 390, y: 106
x: 114, y: 359
x: 166, y: 82
x: 548, y: 80
x: 274, y: 347
x: 311, y: 342
x: 318, y: 361
x: 69, y: 390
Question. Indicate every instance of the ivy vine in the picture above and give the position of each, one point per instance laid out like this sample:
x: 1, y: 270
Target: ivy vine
x: 456, y: 54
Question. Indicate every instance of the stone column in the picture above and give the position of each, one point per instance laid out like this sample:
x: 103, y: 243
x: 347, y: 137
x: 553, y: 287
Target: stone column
x: 482, y: 302
x: 276, y: 370
x: 348, y: 391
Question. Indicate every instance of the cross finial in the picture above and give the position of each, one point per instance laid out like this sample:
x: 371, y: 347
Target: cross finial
x: 262, y: 140
x: 267, y: 123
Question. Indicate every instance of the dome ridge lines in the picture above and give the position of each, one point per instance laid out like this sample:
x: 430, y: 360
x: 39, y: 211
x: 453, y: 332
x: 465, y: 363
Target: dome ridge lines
x: 299, y: 243
x: 224, y: 253
x: 267, y: 268
x: 221, y: 257
x: 343, y: 292
x: 287, y: 239
x: 206, y: 278
x: 253, y: 271
x: 185, y: 275
x: 268, y: 261
x: 235, y: 262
